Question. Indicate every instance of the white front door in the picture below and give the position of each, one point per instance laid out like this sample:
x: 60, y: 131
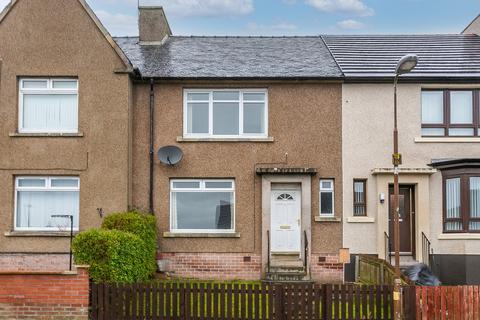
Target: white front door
x: 285, y: 221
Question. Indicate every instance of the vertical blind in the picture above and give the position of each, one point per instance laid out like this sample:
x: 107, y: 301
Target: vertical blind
x: 474, y: 202
x: 453, y: 205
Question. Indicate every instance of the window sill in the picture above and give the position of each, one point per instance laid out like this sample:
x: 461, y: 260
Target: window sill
x: 201, y: 235
x: 459, y: 236
x: 185, y: 139
x: 360, y: 220
x: 39, y: 233
x: 46, y: 135
x: 327, y: 219
x: 447, y: 139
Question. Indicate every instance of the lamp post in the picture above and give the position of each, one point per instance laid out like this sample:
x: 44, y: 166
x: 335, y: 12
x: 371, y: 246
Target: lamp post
x: 404, y: 65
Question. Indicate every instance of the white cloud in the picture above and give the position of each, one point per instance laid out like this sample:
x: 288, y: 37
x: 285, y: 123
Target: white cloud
x: 350, y: 24
x: 356, y: 7
x: 204, y: 7
x: 118, y: 24
x: 289, y: 1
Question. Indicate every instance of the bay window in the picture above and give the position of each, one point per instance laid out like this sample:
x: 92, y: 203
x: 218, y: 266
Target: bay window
x: 453, y: 113
x: 225, y: 113
x: 48, y: 106
x: 462, y: 201
x: 202, y: 206
x: 37, y: 199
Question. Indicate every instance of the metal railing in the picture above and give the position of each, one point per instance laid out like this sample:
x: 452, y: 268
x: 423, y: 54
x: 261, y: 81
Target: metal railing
x: 427, y: 251
x: 388, y: 248
x: 268, y: 251
x: 305, y: 250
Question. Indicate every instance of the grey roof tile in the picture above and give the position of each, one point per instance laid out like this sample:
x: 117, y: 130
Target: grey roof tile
x: 232, y: 57
x: 375, y: 56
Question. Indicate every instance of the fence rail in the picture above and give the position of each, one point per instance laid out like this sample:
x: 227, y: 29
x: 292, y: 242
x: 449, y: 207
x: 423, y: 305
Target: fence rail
x: 166, y: 300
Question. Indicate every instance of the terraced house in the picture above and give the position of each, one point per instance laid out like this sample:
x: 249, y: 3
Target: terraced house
x: 281, y: 139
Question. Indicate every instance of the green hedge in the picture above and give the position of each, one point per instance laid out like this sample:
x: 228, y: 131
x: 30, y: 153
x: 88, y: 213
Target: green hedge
x: 123, y: 250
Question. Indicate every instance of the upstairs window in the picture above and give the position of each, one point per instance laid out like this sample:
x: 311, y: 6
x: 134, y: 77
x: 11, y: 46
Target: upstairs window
x: 453, y: 113
x: 225, y: 113
x: 48, y: 106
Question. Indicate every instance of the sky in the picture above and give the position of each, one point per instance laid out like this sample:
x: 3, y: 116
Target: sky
x: 292, y: 17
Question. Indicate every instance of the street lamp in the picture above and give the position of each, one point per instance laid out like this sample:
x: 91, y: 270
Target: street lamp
x: 404, y: 65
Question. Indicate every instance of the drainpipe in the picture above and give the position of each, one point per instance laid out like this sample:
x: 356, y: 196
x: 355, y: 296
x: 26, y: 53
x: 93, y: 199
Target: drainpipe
x: 152, y: 108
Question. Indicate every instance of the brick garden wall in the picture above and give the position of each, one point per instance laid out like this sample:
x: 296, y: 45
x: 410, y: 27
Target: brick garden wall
x: 44, y: 295
x: 326, y: 268
x: 213, y: 266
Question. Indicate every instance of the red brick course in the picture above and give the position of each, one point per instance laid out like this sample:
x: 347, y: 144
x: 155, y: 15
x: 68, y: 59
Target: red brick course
x: 44, y: 295
x: 34, y: 261
x: 326, y: 268
x: 213, y: 266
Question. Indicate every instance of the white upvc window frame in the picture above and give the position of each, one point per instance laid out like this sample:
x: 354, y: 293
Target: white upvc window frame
x: 210, y: 134
x: 47, y: 188
x: 49, y: 90
x: 201, y: 189
x: 329, y: 190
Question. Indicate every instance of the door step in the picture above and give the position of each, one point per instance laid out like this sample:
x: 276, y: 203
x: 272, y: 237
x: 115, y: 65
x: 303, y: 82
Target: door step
x: 287, y: 273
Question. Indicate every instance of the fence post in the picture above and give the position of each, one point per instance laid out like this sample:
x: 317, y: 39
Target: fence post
x: 279, y: 313
x: 326, y: 302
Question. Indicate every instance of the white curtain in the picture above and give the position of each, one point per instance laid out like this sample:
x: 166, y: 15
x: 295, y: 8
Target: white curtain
x: 474, y: 202
x: 35, y: 208
x: 45, y: 112
x: 453, y: 204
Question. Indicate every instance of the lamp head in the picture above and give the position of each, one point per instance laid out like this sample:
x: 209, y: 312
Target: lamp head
x: 406, y: 64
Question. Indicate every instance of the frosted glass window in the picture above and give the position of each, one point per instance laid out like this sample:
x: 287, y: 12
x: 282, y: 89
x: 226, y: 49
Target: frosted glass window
x: 438, y: 132
x: 207, y: 208
x: 461, y: 107
x: 48, y: 106
x: 460, y: 132
x: 326, y: 197
x: 225, y: 113
x: 36, y: 203
x: 432, y: 107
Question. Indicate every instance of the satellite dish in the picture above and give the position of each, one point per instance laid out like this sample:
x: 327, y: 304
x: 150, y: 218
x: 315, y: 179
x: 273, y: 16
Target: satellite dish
x: 170, y: 155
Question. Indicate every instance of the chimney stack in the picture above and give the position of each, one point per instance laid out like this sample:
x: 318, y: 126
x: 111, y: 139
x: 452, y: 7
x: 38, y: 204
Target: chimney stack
x: 153, y: 25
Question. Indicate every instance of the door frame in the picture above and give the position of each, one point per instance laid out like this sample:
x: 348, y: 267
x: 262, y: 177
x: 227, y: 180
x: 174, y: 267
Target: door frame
x: 274, y: 193
x: 412, y: 189
x: 305, y: 183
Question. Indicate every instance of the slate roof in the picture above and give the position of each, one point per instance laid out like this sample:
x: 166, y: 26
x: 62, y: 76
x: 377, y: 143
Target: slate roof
x: 441, y: 56
x: 233, y: 57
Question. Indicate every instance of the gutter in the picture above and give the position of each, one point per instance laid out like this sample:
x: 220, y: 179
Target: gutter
x: 151, y: 151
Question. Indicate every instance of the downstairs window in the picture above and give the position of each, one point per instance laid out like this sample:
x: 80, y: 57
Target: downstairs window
x: 202, y: 206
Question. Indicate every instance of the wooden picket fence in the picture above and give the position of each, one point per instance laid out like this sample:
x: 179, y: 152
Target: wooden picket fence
x: 194, y: 301
x: 448, y: 303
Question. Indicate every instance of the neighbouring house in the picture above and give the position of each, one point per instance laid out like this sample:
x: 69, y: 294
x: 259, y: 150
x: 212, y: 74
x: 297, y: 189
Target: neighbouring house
x: 438, y: 119
x: 65, y: 119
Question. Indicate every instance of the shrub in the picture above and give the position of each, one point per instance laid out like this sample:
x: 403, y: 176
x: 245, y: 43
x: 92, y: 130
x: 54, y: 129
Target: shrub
x: 113, y: 256
x: 123, y: 250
